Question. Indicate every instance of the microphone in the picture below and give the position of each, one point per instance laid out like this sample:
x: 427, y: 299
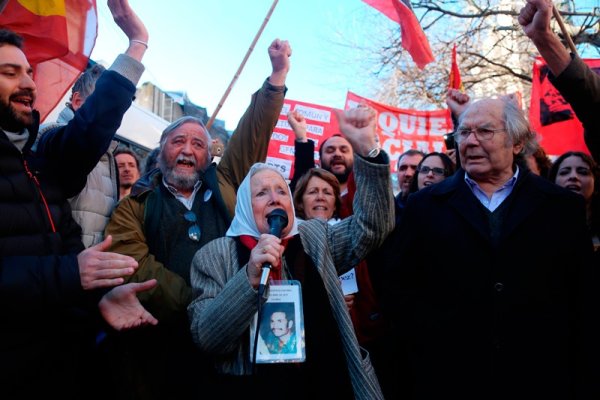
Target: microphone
x: 277, y: 220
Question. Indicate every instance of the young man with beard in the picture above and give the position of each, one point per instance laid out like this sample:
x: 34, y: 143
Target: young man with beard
x: 335, y: 153
x: 49, y: 285
x: 337, y: 157
x: 128, y: 166
x: 170, y: 214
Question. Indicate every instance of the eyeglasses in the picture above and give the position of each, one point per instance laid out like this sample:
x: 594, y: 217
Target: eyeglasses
x: 194, y: 230
x: 436, y: 170
x: 480, y: 133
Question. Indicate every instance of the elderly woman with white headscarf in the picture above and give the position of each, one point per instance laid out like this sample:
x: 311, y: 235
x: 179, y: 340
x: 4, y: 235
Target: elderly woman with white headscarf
x: 226, y: 274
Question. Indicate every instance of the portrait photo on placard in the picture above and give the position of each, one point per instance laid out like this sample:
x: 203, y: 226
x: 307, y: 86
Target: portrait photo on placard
x: 281, y: 325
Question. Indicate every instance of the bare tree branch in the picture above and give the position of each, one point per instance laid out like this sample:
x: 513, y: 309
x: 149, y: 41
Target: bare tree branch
x: 494, y: 55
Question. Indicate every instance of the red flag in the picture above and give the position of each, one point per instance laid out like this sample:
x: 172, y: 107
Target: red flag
x: 551, y: 116
x: 413, y: 37
x: 455, y: 82
x: 59, y: 36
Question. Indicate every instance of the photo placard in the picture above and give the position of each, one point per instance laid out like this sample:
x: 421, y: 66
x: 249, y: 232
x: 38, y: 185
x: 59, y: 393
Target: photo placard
x: 281, y: 326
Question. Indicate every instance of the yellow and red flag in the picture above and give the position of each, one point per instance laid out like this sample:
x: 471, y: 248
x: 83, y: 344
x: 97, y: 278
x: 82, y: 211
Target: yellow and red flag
x: 413, y: 37
x: 455, y: 81
x: 59, y: 36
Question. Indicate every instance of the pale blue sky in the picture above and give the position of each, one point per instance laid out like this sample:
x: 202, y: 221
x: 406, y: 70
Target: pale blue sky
x: 196, y: 46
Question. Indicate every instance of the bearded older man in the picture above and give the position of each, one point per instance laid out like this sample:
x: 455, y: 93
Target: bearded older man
x: 170, y: 214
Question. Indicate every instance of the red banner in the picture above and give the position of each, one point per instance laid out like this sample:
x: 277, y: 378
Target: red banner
x: 400, y: 129
x: 551, y: 116
x: 59, y: 38
x: 321, y: 125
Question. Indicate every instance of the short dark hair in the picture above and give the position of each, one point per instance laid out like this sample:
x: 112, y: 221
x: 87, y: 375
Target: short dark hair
x: 286, y: 308
x: 9, y: 37
x: 127, y: 150
x: 409, y: 152
x: 325, y: 141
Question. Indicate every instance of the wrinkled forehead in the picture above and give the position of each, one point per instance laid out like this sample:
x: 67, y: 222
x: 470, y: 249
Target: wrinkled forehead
x: 486, y: 111
x: 266, y: 177
x: 189, y: 130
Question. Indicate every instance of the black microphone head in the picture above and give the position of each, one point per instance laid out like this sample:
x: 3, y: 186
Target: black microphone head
x: 277, y: 220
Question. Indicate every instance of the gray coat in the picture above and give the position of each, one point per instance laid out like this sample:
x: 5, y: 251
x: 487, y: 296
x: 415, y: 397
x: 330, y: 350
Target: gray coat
x: 225, y: 302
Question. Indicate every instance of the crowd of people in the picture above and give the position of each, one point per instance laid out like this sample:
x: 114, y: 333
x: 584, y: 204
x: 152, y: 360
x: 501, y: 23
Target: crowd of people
x: 478, y: 280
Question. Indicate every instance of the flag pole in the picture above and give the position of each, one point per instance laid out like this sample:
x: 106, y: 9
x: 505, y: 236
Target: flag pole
x: 563, y: 29
x: 238, y: 72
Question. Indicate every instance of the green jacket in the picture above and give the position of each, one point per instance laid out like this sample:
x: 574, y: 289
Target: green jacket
x: 128, y: 224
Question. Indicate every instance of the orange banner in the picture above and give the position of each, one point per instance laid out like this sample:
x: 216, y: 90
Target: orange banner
x: 551, y: 116
x: 401, y: 129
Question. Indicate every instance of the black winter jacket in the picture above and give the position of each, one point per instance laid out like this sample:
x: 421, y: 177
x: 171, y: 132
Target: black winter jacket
x: 44, y: 311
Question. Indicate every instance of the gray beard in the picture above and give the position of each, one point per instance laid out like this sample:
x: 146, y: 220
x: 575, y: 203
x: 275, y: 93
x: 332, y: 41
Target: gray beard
x: 180, y: 182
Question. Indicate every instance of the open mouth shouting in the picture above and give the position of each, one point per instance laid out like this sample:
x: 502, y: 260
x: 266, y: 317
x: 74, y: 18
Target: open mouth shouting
x: 338, y: 165
x: 185, y: 164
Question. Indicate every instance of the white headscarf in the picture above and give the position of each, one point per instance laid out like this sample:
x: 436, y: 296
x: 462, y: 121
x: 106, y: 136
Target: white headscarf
x: 243, y: 223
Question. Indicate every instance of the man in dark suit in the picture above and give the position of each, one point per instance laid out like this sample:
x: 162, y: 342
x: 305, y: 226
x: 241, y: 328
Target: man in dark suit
x: 491, y: 293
